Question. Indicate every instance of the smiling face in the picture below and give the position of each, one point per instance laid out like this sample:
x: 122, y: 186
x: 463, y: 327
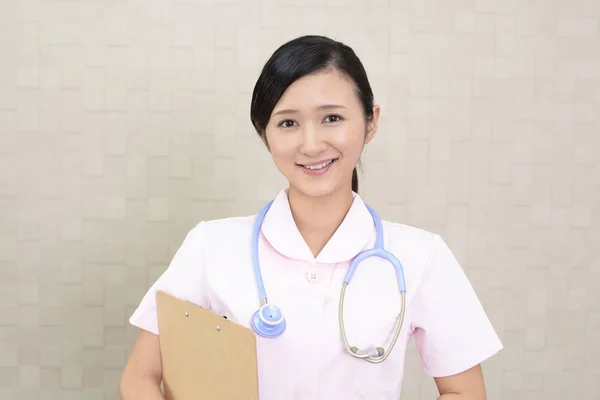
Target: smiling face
x: 317, y: 132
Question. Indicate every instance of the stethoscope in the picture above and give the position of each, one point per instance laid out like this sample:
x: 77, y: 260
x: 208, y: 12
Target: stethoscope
x: 268, y: 321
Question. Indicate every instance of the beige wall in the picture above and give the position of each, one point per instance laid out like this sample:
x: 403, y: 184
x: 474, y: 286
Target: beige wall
x: 124, y: 123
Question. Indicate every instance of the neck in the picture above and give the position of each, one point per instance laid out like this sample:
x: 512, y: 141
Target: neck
x: 317, y: 218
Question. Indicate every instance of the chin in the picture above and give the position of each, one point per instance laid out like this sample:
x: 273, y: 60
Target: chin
x: 314, y: 189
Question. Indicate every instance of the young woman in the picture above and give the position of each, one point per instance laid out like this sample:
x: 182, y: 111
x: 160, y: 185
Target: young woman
x: 313, y: 108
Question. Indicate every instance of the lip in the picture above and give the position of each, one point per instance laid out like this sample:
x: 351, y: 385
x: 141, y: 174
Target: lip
x: 317, y: 172
x: 317, y: 162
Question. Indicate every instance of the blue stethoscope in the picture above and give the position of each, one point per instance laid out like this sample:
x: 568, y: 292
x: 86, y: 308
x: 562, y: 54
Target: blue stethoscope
x: 269, y: 321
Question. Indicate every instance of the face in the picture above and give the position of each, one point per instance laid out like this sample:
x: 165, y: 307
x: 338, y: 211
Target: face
x: 317, y: 132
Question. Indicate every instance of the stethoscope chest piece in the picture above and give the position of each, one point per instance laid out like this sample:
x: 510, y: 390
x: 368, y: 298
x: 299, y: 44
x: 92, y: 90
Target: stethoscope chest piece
x: 268, y: 321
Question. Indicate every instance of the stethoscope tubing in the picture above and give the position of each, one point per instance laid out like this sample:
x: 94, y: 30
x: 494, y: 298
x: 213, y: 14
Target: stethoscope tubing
x: 274, y: 328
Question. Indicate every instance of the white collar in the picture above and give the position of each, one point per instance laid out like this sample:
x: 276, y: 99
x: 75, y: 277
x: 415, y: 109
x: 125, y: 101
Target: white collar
x: 351, y: 237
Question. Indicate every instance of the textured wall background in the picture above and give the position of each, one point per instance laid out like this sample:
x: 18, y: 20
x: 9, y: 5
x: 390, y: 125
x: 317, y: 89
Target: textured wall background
x: 124, y: 123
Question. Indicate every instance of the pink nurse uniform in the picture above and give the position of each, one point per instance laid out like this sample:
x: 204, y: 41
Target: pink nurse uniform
x: 213, y: 269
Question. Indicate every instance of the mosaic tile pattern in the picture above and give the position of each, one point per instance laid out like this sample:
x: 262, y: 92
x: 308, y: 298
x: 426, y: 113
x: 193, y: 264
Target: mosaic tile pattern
x: 123, y: 123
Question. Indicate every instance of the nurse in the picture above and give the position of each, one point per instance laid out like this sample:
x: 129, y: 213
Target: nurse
x: 313, y: 108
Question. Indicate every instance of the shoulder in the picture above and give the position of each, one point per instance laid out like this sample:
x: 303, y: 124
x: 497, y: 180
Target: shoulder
x: 228, y: 225
x: 418, y: 250
x: 221, y: 230
x: 428, y: 246
x: 409, y: 239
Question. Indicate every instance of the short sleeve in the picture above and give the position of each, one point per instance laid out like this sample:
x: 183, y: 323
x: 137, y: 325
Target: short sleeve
x: 451, y: 329
x: 184, y: 278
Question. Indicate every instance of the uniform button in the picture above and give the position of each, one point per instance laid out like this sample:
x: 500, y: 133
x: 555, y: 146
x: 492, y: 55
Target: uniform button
x: 312, y: 277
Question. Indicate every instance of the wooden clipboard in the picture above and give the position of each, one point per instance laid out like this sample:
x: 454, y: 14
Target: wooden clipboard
x: 204, y: 355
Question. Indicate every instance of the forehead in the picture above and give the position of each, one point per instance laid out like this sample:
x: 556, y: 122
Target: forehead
x: 324, y: 87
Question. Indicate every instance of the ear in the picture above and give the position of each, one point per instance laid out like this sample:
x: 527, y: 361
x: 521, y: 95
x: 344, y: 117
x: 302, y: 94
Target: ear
x: 373, y: 123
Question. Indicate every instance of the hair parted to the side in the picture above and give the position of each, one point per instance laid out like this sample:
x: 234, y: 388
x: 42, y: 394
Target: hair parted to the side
x: 300, y: 57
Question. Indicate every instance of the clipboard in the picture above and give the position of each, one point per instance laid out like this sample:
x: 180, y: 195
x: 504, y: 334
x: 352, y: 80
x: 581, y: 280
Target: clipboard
x: 204, y: 355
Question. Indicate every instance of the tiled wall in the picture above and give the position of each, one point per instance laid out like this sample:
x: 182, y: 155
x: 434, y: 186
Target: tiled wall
x: 124, y: 123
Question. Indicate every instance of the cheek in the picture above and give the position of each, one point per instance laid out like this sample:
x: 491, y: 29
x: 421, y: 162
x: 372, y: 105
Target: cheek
x: 281, y: 150
x: 349, y: 143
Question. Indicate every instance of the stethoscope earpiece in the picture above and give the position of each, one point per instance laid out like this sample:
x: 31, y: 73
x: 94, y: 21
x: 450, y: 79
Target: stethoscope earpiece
x: 374, y: 353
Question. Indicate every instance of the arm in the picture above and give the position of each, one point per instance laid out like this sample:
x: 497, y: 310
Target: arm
x: 184, y: 278
x: 451, y: 329
x: 467, y: 385
x: 143, y: 372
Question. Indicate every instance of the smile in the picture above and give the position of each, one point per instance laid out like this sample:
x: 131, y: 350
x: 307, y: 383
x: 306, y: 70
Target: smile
x: 318, y: 169
x: 319, y: 166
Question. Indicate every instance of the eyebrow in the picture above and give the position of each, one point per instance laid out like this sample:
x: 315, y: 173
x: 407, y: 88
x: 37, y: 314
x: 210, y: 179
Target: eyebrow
x: 323, y: 107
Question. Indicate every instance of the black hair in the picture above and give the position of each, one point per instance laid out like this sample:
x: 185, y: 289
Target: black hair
x: 300, y: 57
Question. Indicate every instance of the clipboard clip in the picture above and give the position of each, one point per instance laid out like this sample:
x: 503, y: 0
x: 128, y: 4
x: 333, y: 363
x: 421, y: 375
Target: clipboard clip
x: 218, y: 327
x: 188, y: 314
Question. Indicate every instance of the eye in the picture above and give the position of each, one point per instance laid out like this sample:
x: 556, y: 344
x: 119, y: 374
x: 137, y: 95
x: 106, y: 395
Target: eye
x: 332, y: 118
x: 287, y: 123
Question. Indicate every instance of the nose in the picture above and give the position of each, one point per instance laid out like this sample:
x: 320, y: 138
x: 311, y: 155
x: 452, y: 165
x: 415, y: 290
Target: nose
x: 312, y: 143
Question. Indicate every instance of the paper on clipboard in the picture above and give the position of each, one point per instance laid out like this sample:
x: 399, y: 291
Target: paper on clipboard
x: 204, y: 356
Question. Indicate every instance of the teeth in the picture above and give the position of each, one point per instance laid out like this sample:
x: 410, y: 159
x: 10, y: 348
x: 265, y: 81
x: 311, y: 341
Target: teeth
x: 320, y: 166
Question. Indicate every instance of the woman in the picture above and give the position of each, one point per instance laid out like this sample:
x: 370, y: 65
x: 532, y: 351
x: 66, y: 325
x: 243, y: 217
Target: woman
x: 313, y: 108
